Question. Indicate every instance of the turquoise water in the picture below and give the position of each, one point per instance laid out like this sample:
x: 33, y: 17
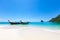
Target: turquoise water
x: 49, y: 25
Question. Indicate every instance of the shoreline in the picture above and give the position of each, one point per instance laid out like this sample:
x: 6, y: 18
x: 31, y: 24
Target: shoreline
x: 28, y: 33
x: 30, y: 27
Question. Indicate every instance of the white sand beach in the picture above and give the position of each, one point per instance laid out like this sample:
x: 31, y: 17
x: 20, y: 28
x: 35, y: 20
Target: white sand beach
x: 28, y: 33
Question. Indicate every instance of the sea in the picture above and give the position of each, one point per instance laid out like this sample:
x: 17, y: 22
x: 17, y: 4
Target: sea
x: 48, y: 25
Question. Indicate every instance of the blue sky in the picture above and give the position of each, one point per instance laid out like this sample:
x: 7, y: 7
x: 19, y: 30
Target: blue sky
x: 29, y: 10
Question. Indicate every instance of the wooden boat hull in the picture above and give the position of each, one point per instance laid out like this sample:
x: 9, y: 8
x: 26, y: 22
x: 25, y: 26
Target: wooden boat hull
x: 18, y: 22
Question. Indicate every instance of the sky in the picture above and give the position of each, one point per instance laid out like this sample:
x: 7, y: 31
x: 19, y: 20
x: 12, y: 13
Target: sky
x: 29, y: 10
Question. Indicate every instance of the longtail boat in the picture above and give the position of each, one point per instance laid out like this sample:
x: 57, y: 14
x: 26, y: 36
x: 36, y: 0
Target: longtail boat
x: 18, y: 22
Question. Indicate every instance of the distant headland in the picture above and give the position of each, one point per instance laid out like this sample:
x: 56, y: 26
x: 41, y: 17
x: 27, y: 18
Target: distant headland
x: 56, y: 19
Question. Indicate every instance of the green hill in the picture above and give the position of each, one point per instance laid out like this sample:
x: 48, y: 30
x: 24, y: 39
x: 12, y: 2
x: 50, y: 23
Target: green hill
x: 56, y: 19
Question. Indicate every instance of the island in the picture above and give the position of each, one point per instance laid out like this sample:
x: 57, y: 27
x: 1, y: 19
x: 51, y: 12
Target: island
x: 56, y: 19
x: 42, y: 21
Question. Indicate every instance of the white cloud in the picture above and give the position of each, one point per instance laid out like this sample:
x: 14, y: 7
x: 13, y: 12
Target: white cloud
x: 2, y: 20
